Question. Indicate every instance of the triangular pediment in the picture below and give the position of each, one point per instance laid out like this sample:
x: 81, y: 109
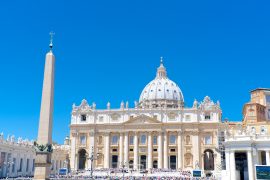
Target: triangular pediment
x: 142, y: 119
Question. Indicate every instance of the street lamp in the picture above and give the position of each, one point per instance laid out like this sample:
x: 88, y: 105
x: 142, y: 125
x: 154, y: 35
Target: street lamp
x: 123, y: 169
x: 92, y: 158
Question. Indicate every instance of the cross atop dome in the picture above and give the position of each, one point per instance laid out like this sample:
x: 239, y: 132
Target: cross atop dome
x: 161, y: 71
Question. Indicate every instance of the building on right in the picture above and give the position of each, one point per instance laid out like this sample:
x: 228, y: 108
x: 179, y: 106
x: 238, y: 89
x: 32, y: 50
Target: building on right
x: 247, y: 143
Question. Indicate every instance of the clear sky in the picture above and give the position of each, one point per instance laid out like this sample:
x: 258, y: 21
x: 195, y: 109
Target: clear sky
x: 109, y: 50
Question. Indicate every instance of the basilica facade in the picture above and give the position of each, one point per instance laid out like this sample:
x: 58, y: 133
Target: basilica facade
x: 158, y: 132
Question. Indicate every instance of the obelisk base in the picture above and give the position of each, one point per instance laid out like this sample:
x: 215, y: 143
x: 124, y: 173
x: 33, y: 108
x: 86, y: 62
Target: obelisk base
x: 42, y: 166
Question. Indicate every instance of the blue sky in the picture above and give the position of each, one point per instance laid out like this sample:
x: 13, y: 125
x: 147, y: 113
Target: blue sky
x: 109, y: 50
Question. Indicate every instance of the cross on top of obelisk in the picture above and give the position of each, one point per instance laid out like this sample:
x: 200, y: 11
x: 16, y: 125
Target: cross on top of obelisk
x: 51, y: 39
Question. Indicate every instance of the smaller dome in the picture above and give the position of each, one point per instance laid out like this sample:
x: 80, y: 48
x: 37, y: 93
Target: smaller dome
x: 161, y: 92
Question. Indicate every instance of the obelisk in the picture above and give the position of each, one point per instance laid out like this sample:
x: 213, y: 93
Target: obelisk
x: 43, y: 145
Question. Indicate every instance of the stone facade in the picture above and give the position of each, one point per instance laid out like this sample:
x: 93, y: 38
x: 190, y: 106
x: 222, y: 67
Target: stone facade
x: 247, y: 143
x: 158, y: 132
x: 17, y: 157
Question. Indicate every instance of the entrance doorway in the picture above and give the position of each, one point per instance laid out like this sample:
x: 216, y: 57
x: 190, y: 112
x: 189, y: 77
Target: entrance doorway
x: 82, y: 158
x: 143, y: 161
x: 241, y: 164
x: 114, y: 161
x: 173, y: 162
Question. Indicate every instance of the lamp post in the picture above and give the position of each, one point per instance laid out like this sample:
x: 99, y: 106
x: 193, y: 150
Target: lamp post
x: 92, y: 158
x: 123, y: 169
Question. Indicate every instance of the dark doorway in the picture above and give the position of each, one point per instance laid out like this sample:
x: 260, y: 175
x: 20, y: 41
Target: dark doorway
x: 173, y: 162
x: 82, y: 158
x: 241, y: 164
x: 143, y: 162
x: 131, y: 164
x: 114, y: 161
x: 208, y: 158
x: 263, y: 157
x: 155, y: 164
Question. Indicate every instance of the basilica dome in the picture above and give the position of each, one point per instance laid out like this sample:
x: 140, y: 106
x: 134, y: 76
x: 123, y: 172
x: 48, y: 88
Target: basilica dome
x: 161, y: 92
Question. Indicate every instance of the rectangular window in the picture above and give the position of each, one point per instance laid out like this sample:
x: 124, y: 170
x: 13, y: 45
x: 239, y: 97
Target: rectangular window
x: 131, y: 140
x: 155, y: 150
x: 100, y: 118
x: 114, y: 139
x: 83, y: 117
x: 207, y: 116
x: 114, y: 150
x: 131, y: 150
x: 82, y: 140
x: 155, y: 140
x: 187, y: 117
x: 208, y: 140
x: 172, y: 139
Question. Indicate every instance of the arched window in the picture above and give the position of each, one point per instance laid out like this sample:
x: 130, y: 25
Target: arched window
x: 208, y: 160
x: 143, y: 139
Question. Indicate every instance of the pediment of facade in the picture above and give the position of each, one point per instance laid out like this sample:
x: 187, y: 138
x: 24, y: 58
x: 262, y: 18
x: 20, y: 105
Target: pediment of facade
x: 142, y: 119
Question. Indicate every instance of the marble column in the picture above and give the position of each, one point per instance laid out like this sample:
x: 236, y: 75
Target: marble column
x: 91, y: 149
x: 196, y: 150
x: 136, y: 147
x: 267, y: 156
x: 73, y: 161
x: 150, y: 150
x: 121, y: 149
x: 107, y: 150
x: 232, y: 165
x: 250, y: 165
x: 165, y: 157
x: 160, y: 145
x: 227, y: 158
x: 126, y: 150
x: 179, y: 150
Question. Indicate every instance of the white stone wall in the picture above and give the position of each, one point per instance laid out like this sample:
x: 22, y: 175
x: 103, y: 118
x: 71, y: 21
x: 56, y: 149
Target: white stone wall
x: 11, y: 153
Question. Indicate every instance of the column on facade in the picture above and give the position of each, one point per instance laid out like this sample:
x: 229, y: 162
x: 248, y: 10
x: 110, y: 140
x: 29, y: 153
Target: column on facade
x: 91, y: 148
x: 165, y: 157
x: 126, y: 148
x: 179, y: 150
x: 196, y: 150
x: 232, y: 165
x: 107, y: 150
x: 73, y: 157
x: 150, y: 151
x: 250, y: 165
x: 135, y: 162
x: 160, y: 145
x: 121, y: 149
x: 227, y: 158
x: 267, y: 156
